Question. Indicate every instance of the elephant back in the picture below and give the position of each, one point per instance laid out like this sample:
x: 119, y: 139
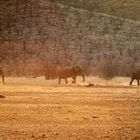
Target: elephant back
x: 65, y: 72
x: 77, y: 69
x: 136, y: 74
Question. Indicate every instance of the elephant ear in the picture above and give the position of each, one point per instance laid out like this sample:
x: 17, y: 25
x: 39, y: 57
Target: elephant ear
x: 77, y: 69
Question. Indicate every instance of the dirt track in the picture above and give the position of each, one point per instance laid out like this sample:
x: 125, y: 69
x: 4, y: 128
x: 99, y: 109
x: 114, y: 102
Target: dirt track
x: 55, y: 112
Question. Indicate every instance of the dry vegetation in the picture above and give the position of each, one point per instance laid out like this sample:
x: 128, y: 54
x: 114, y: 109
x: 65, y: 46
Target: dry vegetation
x: 40, y: 109
x: 67, y: 33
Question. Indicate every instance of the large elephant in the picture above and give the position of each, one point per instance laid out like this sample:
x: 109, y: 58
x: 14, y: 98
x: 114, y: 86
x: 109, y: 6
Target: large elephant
x: 64, y: 73
x: 135, y: 76
x: 2, y: 75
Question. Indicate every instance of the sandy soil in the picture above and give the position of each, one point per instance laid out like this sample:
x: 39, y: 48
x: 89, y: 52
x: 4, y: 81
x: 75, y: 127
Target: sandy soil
x: 35, y: 109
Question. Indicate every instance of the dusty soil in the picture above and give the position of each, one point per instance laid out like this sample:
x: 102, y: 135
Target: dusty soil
x: 38, y: 109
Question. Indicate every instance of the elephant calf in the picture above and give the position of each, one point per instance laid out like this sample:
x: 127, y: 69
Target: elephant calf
x: 135, y: 76
x: 2, y: 75
x: 72, y: 72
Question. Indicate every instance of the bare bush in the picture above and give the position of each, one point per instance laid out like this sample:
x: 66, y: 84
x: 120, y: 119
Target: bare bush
x: 115, y: 67
x: 107, y: 69
x: 50, y: 71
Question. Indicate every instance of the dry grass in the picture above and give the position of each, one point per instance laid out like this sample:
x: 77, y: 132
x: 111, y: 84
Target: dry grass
x: 39, y: 109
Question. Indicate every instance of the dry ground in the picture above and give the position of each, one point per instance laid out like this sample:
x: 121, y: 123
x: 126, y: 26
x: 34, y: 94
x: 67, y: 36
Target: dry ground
x: 43, y: 110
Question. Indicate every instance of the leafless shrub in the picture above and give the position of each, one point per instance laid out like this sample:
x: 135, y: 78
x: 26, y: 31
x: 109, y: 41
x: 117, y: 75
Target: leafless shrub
x: 49, y: 71
x: 107, y: 69
x: 115, y: 67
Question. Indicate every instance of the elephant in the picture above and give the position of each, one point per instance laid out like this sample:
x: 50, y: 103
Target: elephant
x: 135, y: 76
x: 67, y: 72
x: 2, y: 75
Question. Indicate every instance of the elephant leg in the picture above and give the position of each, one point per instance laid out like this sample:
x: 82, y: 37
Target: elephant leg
x: 74, y: 79
x: 2, y: 76
x: 138, y: 82
x: 59, y: 80
x: 3, y: 79
x: 66, y: 80
x: 131, y: 81
x: 83, y: 77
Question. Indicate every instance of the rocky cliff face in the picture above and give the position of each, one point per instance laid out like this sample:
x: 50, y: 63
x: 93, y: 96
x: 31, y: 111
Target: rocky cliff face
x: 42, y: 32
